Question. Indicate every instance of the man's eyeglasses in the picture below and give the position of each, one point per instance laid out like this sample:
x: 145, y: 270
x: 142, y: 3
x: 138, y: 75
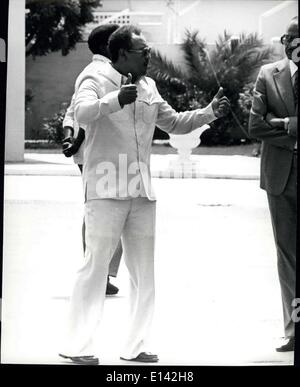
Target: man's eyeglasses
x: 286, y: 39
x: 144, y: 51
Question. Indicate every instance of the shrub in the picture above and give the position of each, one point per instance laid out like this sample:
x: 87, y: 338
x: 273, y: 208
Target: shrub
x: 28, y: 98
x: 53, y: 126
x: 245, y: 103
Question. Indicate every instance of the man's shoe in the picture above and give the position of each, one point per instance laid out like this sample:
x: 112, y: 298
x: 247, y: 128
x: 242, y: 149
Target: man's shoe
x: 144, y: 357
x: 288, y: 346
x: 82, y: 360
x: 111, y: 289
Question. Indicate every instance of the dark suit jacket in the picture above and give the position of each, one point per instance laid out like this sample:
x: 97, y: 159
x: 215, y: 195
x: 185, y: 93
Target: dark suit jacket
x: 274, y: 95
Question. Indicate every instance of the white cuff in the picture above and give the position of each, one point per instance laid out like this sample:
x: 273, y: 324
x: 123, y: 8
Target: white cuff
x: 111, y: 101
x: 286, y: 121
x: 209, y: 112
x: 82, y: 126
x: 68, y: 122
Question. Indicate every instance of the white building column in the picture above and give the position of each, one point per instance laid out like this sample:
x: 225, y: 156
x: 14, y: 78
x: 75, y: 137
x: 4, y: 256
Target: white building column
x: 15, y: 95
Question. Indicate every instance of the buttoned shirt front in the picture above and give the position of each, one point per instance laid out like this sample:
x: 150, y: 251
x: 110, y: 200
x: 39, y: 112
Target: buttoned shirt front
x: 118, y: 140
x: 293, y: 70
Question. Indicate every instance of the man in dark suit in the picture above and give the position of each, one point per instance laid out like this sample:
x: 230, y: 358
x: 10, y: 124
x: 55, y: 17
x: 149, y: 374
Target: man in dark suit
x: 273, y: 120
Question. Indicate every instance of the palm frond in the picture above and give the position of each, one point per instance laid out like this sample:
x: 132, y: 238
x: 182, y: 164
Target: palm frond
x: 194, y: 50
x: 231, y: 63
x: 196, y: 57
x: 160, y: 68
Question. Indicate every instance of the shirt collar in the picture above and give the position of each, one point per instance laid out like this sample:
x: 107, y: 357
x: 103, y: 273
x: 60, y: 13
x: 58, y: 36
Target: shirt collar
x: 117, y: 78
x: 108, y: 71
x: 293, y: 68
x: 140, y: 80
x: 101, y: 58
x: 143, y: 79
x: 113, y: 75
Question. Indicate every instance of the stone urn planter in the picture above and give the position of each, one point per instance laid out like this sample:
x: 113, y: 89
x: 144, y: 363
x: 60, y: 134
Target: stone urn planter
x: 185, y: 143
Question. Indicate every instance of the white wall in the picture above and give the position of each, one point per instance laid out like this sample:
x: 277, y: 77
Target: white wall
x: 211, y: 17
x: 274, y: 22
x: 268, y: 18
x: 15, y: 96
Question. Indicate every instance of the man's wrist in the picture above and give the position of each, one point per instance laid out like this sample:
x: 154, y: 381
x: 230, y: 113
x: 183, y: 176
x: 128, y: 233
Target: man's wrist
x: 68, y: 131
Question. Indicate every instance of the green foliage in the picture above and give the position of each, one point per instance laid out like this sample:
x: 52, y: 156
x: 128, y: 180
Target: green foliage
x: 245, y: 103
x: 53, y: 25
x: 28, y: 98
x: 168, y: 78
x: 54, y: 126
x: 231, y: 64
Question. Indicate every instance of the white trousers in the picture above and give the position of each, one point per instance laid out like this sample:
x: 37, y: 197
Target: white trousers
x: 106, y: 221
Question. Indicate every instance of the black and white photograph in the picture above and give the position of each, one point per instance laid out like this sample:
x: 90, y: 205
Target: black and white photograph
x: 149, y: 184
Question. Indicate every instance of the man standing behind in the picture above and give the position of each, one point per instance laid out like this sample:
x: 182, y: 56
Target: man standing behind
x: 73, y: 142
x: 273, y: 120
x: 121, y: 116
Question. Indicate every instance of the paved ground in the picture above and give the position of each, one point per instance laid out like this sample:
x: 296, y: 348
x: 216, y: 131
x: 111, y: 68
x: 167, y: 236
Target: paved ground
x: 218, y: 297
x: 206, y: 166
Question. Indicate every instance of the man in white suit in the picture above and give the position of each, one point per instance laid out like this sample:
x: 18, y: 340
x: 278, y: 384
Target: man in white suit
x: 73, y: 142
x: 121, y: 108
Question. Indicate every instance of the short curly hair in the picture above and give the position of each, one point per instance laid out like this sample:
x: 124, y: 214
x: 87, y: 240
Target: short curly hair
x: 98, y: 38
x: 121, y: 38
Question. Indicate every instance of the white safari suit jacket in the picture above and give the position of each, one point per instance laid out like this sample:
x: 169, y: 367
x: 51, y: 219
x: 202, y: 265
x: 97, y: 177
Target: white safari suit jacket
x: 69, y: 119
x: 118, y: 140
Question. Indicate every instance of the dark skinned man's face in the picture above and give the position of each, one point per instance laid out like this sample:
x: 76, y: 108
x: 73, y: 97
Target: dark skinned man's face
x: 138, y: 57
x: 291, y: 42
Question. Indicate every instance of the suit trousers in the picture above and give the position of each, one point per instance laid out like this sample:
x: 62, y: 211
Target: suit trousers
x: 115, y: 261
x: 116, y: 258
x: 106, y: 221
x: 283, y: 209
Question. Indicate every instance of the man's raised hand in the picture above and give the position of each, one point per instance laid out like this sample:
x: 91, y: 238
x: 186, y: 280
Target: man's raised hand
x: 220, y: 104
x: 128, y: 92
x: 129, y: 79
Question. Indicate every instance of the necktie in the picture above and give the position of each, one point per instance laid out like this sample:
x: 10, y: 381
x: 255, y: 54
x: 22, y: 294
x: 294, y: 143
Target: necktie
x: 295, y: 87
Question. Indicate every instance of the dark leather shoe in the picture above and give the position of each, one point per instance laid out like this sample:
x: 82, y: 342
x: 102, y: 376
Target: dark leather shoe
x: 144, y: 357
x: 111, y: 289
x: 288, y: 346
x: 82, y: 360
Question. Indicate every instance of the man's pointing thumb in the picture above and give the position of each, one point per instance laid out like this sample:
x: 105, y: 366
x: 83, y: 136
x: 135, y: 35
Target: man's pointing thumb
x: 220, y: 93
x: 129, y: 79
